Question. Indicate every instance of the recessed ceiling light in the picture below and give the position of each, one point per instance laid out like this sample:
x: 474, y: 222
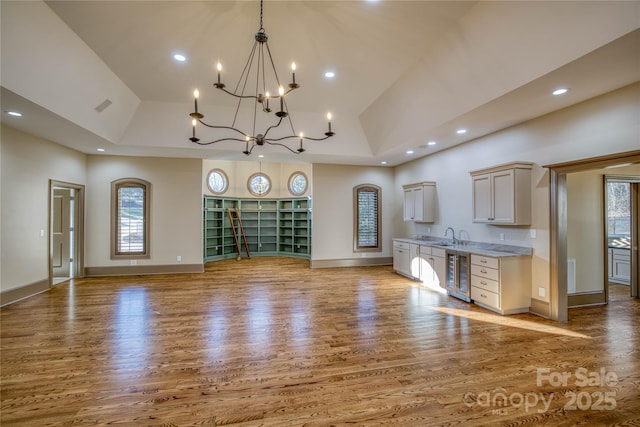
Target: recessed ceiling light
x: 409, y: 151
x: 461, y: 131
x: 383, y: 162
x: 560, y: 91
x: 101, y: 150
x: 431, y: 143
x: 14, y: 113
x: 330, y: 74
x: 261, y: 155
x: 179, y: 57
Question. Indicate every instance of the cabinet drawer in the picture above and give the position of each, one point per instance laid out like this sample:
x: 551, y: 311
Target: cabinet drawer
x: 438, y: 252
x: 482, y: 271
x: 484, y: 283
x: 484, y: 261
x: 425, y: 251
x: 401, y: 245
x: 485, y: 297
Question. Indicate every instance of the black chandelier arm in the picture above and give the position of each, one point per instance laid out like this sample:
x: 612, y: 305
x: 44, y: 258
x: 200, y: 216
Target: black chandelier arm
x: 225, y: 127
x: 281, y: 145
x: 272, y: 127
x: 219, y: 140
x: 304, y: 137
x: 254, y: 96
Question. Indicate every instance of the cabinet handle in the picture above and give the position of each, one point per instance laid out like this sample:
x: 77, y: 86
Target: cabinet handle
x: 482, y: 282
x: 483, y: 295
x: 483, y: 271
x: 482, y: 260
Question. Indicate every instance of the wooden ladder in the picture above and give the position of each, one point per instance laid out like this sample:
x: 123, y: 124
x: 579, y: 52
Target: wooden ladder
x: 238, y: 232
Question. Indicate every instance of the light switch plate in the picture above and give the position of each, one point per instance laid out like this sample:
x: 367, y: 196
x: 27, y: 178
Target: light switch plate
x: 532, y: 233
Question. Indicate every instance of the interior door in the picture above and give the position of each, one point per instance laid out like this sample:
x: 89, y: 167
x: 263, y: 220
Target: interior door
x: 61, y: 232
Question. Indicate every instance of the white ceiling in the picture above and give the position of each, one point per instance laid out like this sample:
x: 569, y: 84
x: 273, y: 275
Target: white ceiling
x: 406, y: 71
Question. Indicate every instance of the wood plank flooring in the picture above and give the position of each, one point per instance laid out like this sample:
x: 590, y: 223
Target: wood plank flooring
x: 270, y: 342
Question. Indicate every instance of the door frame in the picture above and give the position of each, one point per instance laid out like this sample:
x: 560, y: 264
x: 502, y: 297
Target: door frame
x: 78, y: 234
x: 558, y: 299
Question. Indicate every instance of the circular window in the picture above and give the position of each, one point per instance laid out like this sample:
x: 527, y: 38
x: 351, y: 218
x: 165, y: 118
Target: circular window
x: 217, y: 181
x: 297, y: 183
x: 259, y: 184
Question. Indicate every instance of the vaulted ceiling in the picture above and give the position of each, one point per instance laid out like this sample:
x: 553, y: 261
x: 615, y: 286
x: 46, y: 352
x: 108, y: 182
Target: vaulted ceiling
x: 407, y: 72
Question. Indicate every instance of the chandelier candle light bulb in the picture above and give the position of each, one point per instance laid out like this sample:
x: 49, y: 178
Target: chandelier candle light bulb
x: 196, y: 94
x: 329, y: 120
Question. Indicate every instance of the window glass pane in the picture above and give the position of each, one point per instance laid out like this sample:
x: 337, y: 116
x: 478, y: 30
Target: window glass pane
x: 367, y: 218
x: 217, y: 181
x: 297, y: 183
x: 618, y: 209
x: 131, y: 220
x: 259, y: 184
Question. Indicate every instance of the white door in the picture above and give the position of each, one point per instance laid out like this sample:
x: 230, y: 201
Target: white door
x: 61, y: 232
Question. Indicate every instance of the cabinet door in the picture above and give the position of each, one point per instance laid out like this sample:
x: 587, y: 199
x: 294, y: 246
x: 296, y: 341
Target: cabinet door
x: 401, y: 261
x: 502, y: 186
x: 439, y: 266
x: 482, y: 198
x: 418, y: 203
x: 409, y: 204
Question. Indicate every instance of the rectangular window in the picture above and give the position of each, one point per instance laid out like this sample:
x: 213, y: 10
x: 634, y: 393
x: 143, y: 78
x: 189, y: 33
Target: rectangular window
x: 130, y: 230
x: 367, y: 218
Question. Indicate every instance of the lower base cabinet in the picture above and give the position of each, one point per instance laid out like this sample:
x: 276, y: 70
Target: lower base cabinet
x: 501, y: 284
x: 619, y: 265
x: 433, y: 266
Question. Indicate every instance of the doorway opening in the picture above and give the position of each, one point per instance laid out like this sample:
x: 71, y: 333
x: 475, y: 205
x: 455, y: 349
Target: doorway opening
x: 66, y: 231
x: 621, y: 213
x: 558, y: 307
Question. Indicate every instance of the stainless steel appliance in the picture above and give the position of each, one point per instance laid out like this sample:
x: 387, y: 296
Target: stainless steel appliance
x: 458, y: 271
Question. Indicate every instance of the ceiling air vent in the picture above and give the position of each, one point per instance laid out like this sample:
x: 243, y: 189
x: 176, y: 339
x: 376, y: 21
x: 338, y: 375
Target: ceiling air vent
x: 103, y: 106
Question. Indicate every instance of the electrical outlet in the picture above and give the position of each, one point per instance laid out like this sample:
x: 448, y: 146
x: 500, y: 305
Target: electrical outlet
x: 179, y: 258
x: 501, y: 236
x: 542, y: 292
x: 532, y: 233
x: 134, y: 262
x: 428, y: 230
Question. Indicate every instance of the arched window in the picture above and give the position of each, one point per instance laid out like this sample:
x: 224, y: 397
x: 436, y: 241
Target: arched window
x: 366, y: 201
x: 130, y: 218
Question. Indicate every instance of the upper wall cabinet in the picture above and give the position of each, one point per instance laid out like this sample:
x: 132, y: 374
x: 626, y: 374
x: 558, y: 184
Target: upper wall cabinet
x: 502, y: 194
x: 420, y: 202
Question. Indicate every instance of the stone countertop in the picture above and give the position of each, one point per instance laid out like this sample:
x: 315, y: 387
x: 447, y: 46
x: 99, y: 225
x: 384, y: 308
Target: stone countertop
x: 476, y: 248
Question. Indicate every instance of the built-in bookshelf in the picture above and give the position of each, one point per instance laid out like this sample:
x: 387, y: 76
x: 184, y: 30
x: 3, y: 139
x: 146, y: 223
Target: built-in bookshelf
x: 271, y: 227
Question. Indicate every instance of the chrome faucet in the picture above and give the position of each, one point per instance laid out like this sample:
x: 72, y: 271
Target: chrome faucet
x: 453, y: 235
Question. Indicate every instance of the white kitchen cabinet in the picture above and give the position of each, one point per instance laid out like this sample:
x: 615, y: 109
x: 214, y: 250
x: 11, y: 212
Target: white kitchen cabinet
x: 420, y: 202
x: 406, y: 259
x: 433, y: 266
x: 502, y: 194
x: 620, y: 266
x: 501, y: 284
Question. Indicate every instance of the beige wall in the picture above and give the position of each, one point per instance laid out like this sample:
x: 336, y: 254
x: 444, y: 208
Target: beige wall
x: 28, y: 163
x: 239, y: 173
x: 333, y: 210
x: 603, y: 125
x: 176, y: 208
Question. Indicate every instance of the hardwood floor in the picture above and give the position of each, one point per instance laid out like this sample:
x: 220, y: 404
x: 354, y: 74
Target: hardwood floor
x: 269, y: 342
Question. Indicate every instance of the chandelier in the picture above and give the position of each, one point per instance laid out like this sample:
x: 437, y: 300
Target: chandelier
x: 259, y: 100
